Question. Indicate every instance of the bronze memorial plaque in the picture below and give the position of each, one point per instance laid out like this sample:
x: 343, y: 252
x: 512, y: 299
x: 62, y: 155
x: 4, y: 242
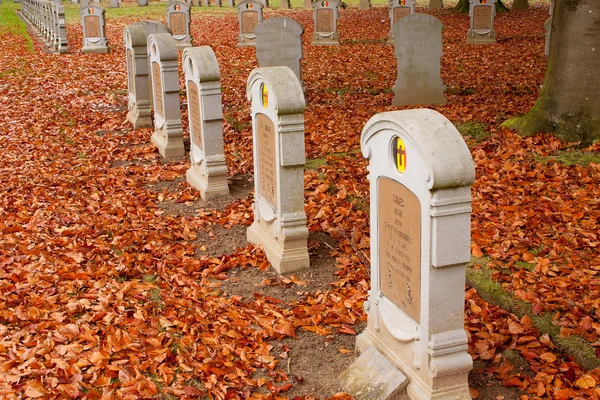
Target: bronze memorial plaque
x: 401, y: 12
x: 325, y: 20
x: 249, y: 21
x: 400, y: 246
x: 130, y: 76
x: 177, y: 20
x: 482, y: 18
x: 158, y: 94
x: 195, y: 114
x: 267, y: 159
x: 92, y: 26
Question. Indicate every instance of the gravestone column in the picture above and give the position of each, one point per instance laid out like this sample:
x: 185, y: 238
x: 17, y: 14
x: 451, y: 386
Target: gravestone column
x: 420, y: 173
x: 208, y: 172
x: 278, y: 139
x: 139, y: 99
x: 163, y: 64
x: 418, y: 50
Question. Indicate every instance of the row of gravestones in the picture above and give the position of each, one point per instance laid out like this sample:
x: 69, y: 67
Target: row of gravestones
x: 47, y: 18
x: 93, y: 22
x: 420, y: 205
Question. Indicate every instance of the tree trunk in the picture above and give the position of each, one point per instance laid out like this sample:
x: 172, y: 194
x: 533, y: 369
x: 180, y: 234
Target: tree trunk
x: 569, y: 101
x: 463, y: 6
x: 520, y: 5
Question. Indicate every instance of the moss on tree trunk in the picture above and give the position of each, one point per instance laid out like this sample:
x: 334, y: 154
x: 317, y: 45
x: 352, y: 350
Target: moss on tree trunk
x: 463, y: 6
x: 569, y: 104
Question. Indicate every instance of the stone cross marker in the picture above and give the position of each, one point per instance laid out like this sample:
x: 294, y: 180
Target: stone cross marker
x: 420, y: 173
x: 279, y: 43
x: 418, y: 50
x: 277, y: 107
x: 208, y: 172
x: 250, y: 14
x: 325, y: 15
x: 139, y: 102
x: 163, y: 64
x: 178, y: 19
x: 398, y: 10
x: 482, y: 13
x: 92, y: 20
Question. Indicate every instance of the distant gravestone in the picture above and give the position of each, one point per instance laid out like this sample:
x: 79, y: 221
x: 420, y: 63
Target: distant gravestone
x: 60, y: 43
x: 325, y: 15
x: 420, y: 173
x: 94, y: 38
x: 178, y: 18
x: 163, y: 64
x: 113, y: 3
x: 277, y: 107
x: 249, y: 16
x: 285, y: 4
x: 279, y: 43
x: 208, y: 172
x: 398, y: 10
x: 231, y: 3
x: 436, y: 4
x: 139, y: 101
x: 482, y: 13
x: 307, y: 4
x: 142, y: 3
x: 418, y: 50
x: 84, y: 3
x: 364, y: 4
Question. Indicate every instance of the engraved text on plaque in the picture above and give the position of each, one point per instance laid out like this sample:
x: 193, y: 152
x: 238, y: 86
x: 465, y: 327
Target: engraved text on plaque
x: 158, y: 94
x: 249, y: 21
x: 92, y: 26
x: 325, y: 20
x: 482, y: 18
x: 195, y: 114
x: 267, y: 159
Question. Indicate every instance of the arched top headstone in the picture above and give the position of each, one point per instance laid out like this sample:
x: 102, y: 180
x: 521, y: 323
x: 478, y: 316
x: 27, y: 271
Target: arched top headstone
x: 91, y: 9
x: 283, y: 91
x: 162, y: 46
x: 250, y: 5
x: 319, y: 4
x: 136, y: 35
x: 194, y: 57
x: 440, y: 146
x: 280, y: 24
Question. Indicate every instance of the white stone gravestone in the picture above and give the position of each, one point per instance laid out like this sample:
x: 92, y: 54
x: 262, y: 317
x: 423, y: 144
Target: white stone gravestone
x: 178, y: 18
x: 398, y: 10
x: 325, y: 15
x: 420, y: 173
x: 208, y: 172
x: 277, y: 107
x: 250, y: 14
x: 279, y: 43
x: 94, y: 38
x: 418, y: 51
x: 548, y: 26
x: 139, y: 101
x: 163, y: 64
x: 482, y: 14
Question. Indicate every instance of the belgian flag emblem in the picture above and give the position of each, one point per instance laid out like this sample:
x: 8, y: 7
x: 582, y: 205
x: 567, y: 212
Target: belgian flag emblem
x: 400, y: 155
x: 264, y: 95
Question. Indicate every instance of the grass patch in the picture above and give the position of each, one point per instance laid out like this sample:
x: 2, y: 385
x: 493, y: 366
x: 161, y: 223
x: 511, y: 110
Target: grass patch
x: 570, y: 158
x: 473, y: 129
x: 316, y: 163
x: 11, y: 23
x: 574, y: 346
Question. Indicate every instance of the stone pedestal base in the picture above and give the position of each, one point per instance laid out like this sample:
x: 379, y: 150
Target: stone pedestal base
x: 140, y: 115
x: 168, y: 149
x: 208, y: 190
x: 474, y: 38
x: 182, y: 45
x: 288, y: 253
x: 94, y: 50
x: 325, y: 41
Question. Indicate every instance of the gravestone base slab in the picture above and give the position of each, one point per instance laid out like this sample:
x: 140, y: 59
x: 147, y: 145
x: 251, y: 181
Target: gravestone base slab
x: 480, y: 39
x: 372, y: 377
x: 321, y: 41
x: 292, y: 256
x: 140, y: 118
x: 181, y: 46
x: 247, y: 43
x: 217, y: 186
x: 94, y: 50
x: 168, y: 150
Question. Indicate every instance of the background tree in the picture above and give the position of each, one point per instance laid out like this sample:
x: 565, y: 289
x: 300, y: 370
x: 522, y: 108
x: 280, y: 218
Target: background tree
x: 569, y: 101
x: 463, y: 6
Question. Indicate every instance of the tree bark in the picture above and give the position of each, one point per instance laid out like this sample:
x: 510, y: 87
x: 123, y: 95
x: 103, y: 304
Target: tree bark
x: 520, y: 5
x: 463, y: 6
x: 569, y: 101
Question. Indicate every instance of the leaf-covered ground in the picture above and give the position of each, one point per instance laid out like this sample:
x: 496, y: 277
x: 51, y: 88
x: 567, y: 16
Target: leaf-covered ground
x: 103, y: 293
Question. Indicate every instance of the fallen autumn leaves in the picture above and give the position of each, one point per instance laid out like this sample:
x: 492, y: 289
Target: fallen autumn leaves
x: 101, y: 294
